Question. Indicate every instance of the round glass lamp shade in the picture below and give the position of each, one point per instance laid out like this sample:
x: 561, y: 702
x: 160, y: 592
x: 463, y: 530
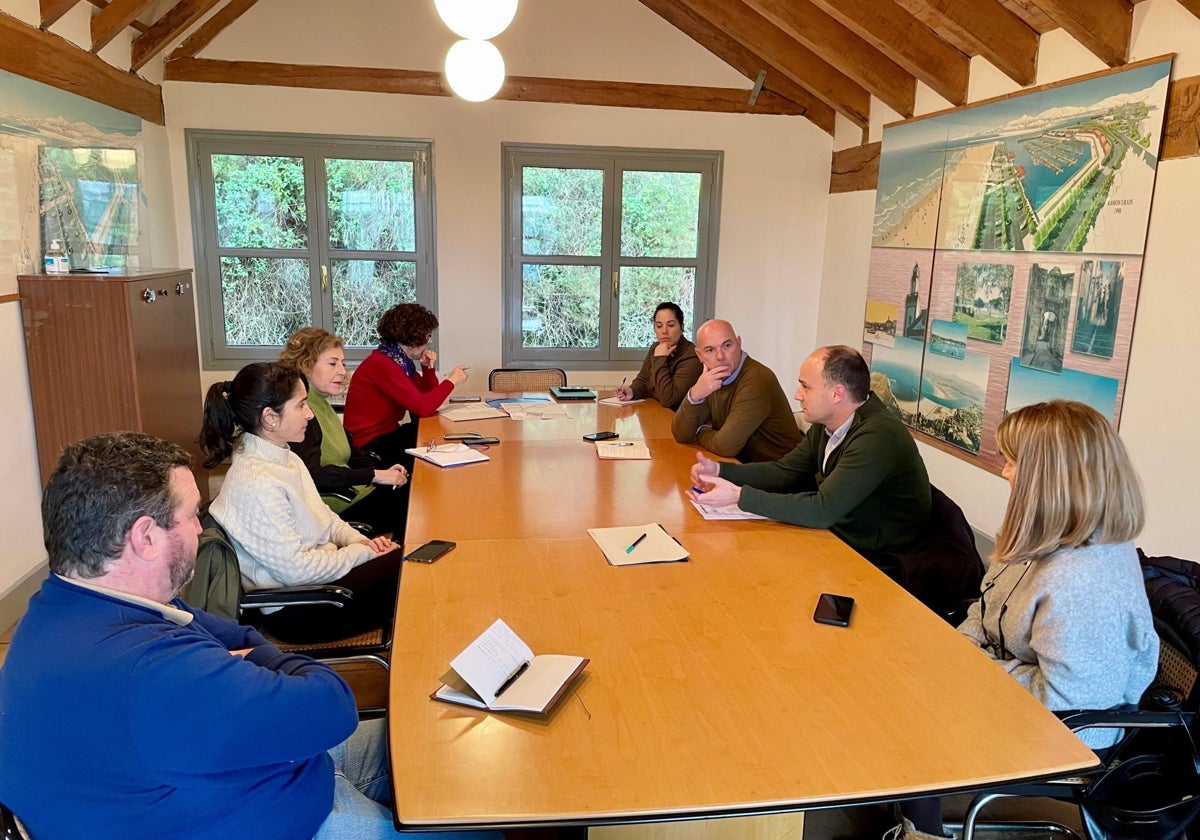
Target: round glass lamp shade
x: 475, y: 70
x: 476, y: 20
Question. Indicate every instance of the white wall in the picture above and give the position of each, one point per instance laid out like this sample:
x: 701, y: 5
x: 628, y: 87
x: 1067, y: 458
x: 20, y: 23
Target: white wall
x: 1161, y: 399
x: 774, y: 190
x: 23, y: 555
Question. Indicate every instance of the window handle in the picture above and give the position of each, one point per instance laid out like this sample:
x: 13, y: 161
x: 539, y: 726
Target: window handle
x: 324, y: 278
x: 616, y: 286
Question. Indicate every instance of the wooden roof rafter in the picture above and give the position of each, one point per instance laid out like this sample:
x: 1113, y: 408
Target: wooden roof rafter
x: 212, y: 27
x: 741, y: 59
x: 985, y: 28
x: 177, y: 20
x: 1103, y: 26
x: 781, y: 50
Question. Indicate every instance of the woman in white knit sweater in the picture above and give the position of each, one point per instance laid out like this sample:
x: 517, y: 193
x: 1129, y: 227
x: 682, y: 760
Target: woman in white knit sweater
x: 283, y: 532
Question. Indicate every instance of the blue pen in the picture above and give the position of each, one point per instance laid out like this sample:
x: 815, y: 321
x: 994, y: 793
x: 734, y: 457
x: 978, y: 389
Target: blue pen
x: 696, y: 489
x: 635, y: 543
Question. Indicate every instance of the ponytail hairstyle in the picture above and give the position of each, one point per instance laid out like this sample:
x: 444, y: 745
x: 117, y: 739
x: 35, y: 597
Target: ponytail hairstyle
x: 231, y: 408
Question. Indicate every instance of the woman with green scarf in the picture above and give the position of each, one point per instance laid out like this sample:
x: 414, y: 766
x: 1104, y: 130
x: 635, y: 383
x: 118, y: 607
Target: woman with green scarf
x: 346, y: 477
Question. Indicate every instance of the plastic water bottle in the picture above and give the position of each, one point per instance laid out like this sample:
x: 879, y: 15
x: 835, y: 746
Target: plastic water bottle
x: 56, y: 260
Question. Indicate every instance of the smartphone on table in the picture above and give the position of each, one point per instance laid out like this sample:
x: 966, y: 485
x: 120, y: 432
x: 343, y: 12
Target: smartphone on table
x: 430, y: 552
x: 834, y: 609
x: 595, y: 436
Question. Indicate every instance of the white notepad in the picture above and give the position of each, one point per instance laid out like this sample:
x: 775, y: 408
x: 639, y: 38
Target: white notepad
x: 476, y: 411
x: 724, y: 512
x: 622, y: 450
x: 653, y: 545
x: 619, y: 401
x: 449, y: 454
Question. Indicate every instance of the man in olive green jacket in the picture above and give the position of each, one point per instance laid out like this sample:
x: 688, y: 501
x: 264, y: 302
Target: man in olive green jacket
x: 736, y: 408
x: 857, y: 472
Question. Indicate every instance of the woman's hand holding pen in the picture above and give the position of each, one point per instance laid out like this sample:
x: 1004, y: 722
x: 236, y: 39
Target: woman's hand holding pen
x: 623, y: 393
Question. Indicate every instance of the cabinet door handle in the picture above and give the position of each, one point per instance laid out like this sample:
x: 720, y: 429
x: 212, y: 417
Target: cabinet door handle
x: 149, y: 295
x: 180, y: 288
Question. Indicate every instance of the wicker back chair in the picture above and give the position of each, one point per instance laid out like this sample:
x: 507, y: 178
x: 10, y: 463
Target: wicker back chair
x: 526, y: 379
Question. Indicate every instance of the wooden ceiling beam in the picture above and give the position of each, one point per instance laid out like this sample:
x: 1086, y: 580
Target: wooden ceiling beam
x: 907, y: 41
x: 797, y: 62
x: 1192, y: 6
x: 52, y: 60
x: 52, y: 10
x: 1105, y: 27
x: 986, y: 28
x: 166, y: 29
x: 515, y: 88
x: 862, y: 61
x: 213, y: 27
x: 109, y: 21
x: 742, y: 60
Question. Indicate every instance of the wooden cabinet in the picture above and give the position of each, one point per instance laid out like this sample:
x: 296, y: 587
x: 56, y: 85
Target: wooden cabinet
x: 112, y: 352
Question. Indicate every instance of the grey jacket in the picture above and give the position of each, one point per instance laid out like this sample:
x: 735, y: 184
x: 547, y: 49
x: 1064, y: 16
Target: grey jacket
x: 1074, y: 629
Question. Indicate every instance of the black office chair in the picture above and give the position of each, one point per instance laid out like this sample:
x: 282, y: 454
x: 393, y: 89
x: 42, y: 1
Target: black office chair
x: 11, y: 827
x: 944, y: 574
x: 1149, y: 787
x: 216, y: 588
x: 526, y: 379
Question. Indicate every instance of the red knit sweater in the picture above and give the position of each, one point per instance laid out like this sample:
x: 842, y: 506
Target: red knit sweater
x: 380, y: 392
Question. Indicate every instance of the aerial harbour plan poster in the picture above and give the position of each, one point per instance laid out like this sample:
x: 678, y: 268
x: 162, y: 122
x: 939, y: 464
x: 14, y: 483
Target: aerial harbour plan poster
x: 1022, y: 219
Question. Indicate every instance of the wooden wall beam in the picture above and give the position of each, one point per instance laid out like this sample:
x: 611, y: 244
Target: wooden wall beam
x: 516, y: 88
x: 1181, y: 124
x: 986, y: 28
x: 52, y: 10
x: 742, y: 60
x: 213, y: 27
x: 856, y: 168
x: 907, y: 41
x: 857, y: 58
x: 797, y: 62
x: 109, y: 21
x: 47, y: 58
x: 166, y: 29
x: 1103, y: 26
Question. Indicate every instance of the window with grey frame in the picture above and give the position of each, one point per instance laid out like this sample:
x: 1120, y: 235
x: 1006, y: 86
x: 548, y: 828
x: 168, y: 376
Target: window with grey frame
x: 306, y: 230
x: 595, y: 238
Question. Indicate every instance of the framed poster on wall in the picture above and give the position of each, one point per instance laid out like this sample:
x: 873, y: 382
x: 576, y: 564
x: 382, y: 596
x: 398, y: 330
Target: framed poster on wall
x: 1007, y: 253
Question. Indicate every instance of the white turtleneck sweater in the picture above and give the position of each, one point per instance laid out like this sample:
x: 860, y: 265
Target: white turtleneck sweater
x: 283, y: 532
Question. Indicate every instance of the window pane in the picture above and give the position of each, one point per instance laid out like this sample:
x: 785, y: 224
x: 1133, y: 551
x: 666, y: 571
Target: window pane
x: 365, y: 289
x: 644, y: 288
x: 265, y: 300
x: 371, y: 205
x: 89, y: 200
x: 561, y: 211
x: 260, y: 201
x: 560, y: 306
x: 660, y: 212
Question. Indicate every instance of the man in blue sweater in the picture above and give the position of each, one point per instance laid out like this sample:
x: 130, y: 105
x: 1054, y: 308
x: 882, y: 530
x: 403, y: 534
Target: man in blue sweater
x: 125, y: 713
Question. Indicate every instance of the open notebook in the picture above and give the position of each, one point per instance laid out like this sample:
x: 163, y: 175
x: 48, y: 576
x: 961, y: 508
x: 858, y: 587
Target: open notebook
x: 448, y: 454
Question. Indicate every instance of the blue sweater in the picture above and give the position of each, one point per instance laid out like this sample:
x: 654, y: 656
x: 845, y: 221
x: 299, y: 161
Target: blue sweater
x: 116, y: 722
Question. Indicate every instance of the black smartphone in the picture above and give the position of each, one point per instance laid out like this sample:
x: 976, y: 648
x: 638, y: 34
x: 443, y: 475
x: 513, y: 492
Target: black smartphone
x: 480, y: 440
x: 834, y: 609
x: 595, y: 436
x: 463, y: 436
x: 431, y: 551
x: 465, y: 399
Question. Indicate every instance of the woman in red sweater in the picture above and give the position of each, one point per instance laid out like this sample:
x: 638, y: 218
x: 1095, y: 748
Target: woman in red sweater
x: 395, y: 378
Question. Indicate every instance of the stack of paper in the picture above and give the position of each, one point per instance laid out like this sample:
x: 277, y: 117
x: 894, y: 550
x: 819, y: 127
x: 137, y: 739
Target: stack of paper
x: 535, y: 411
x: 476, y: 411
x: 634, y: 544
x: 622, y: 450
x: 723, y: 512
x: 448, y: 454
x: 499, y: 672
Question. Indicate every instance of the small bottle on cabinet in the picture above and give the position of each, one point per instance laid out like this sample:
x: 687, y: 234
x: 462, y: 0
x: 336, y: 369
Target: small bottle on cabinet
x: 56, y: 260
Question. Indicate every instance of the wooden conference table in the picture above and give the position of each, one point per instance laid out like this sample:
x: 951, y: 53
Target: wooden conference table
x: 710, y: 690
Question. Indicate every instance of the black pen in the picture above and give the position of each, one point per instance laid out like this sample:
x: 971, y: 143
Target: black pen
x: 635, y: 543
x: 512, y: 679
